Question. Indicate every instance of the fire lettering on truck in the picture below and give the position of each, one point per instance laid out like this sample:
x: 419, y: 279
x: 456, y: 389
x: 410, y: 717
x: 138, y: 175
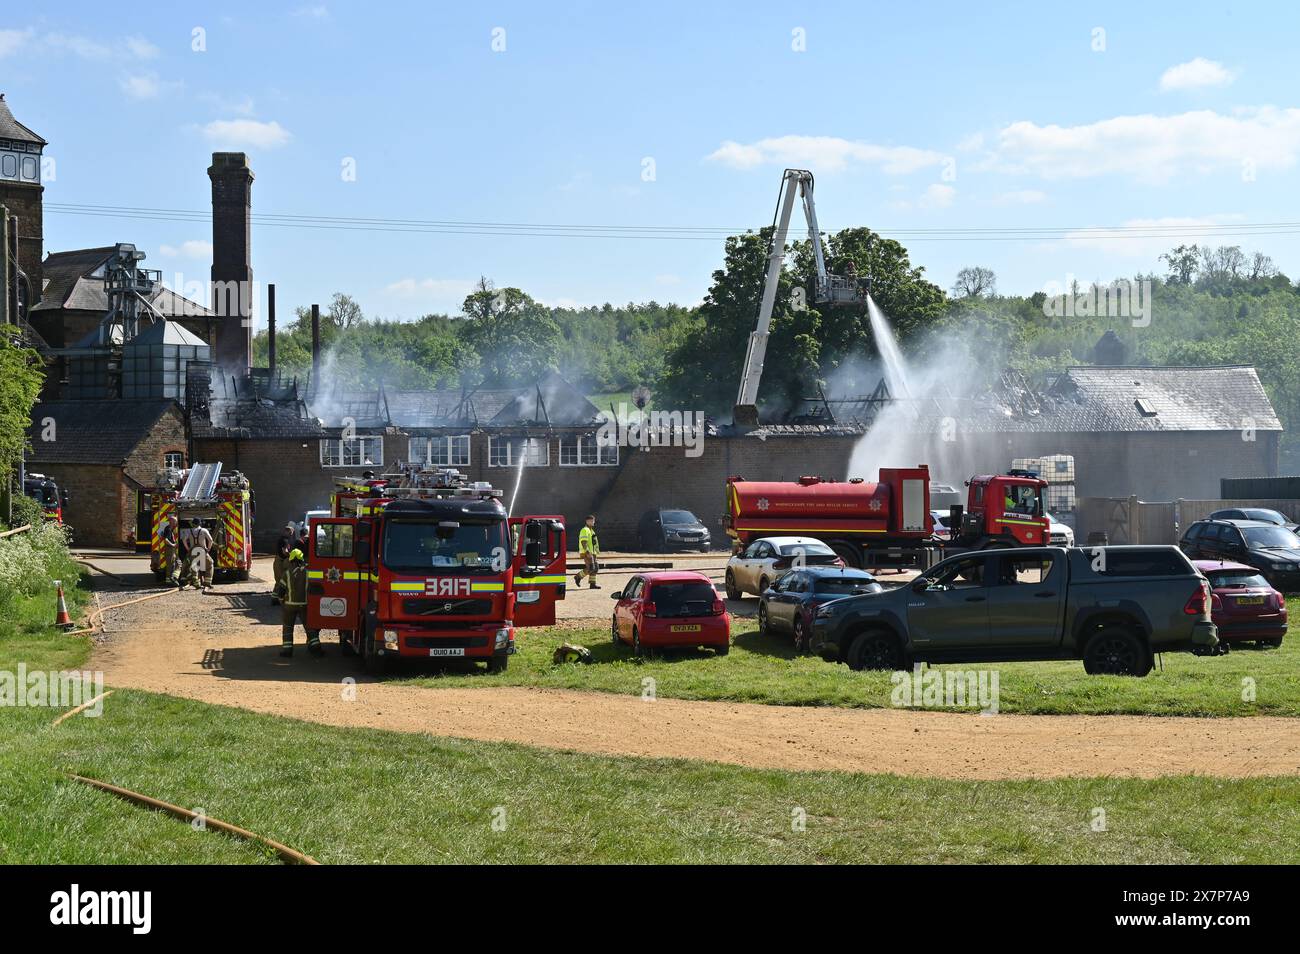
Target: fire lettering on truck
x: 448, y: 586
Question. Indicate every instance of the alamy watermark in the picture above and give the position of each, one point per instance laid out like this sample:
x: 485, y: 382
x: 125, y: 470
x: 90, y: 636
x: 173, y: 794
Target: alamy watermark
x: 49, y: 689
x: 1122, y: 298
x: 948, y: 689
x: 636, y: 427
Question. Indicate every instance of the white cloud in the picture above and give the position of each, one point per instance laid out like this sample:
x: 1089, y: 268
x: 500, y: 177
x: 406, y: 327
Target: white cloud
x: 313, y: 12
x: 937, y: 197
x: 246, y: 132
x: 828, y: 153
x: 430, y: 287
x: 1020, y: 197
x: 141, y: 48
x: 1196, y: 74
x: 241, y: 106
x: 1152, y: 148
x: 668, y: 279
x: 11, y: 41
x: 194, y: 248
x: 78, y: 45
x: 1147, y: 238
x: 146, y: 86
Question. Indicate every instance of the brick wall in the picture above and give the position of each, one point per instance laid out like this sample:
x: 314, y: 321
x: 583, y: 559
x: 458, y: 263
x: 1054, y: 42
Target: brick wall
x: 101, y: 507
x: 288, y: 478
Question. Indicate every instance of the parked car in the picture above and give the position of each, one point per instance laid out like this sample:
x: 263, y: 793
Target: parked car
x: 789, y: 604
x: 1059, y: 534
x: 672, y: 530
x: 1244, y: 605
x: 670, y: 608
x: 1273, y: 550
x: 311, y: 515
x: 753, y: 569
x: 1114, y: 613
x: 1262, y: 514
x: 941, y: 529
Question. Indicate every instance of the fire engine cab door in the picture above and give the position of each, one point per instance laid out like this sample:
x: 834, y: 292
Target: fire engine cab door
x: 334, y: 581
x: 546, y: 579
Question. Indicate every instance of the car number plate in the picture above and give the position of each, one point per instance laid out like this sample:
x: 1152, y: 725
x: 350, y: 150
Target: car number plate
x: 447, y: 652
x: 691, y: 628
x: 1250, y: 601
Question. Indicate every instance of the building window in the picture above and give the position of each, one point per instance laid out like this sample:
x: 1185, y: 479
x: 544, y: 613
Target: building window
x: 352, y: 452
x: 506, y: 451
x: 587, y: 451
x: 174, y: 459
x: 440, y: 451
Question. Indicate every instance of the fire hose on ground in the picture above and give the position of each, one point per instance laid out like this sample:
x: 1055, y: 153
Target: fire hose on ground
x: 287, y: 855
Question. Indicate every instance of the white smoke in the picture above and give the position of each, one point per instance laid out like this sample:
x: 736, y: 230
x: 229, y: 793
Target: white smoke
x: 923, y: 422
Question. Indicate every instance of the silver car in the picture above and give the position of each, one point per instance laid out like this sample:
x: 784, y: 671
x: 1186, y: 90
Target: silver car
x: 759, y: 565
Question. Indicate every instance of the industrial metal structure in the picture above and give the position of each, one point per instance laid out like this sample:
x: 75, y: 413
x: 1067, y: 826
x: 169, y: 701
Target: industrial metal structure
x: 827, y: 288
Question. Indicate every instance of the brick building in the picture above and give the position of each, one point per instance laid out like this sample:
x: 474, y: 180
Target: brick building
x: 104, y: 459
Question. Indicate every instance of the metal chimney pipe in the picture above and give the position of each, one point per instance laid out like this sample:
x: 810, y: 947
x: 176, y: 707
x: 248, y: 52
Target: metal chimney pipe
x: 315, y: 348
x: 270, y: 326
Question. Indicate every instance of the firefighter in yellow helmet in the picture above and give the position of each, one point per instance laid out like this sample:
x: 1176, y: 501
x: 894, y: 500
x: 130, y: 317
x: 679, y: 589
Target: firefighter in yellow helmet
x: 293, y: 606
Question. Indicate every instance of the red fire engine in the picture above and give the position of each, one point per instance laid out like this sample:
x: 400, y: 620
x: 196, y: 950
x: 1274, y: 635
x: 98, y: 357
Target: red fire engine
x: 221, y: 502
x: 888, y: 523
x: 46, y: 493
x: 424, y: 563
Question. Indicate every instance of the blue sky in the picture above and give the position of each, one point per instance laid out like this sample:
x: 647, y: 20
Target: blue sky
x: 913, y: 116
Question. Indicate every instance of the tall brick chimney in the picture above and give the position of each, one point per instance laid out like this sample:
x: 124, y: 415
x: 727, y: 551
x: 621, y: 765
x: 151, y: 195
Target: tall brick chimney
x: 21, y: 192
x: 232, y: 266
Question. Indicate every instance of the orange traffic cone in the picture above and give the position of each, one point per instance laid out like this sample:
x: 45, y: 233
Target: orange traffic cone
x: 61, y: 617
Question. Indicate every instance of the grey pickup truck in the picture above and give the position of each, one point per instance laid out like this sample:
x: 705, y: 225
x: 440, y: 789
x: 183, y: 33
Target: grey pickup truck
x: 1112, y: 607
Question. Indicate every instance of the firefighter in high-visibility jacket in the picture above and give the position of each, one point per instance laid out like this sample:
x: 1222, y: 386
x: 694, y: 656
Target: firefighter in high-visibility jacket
x: 293, y: 606
x: 589, y: 550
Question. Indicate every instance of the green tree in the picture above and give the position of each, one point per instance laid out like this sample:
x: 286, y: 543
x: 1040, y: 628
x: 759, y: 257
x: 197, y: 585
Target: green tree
x: 21, y: 374
x: 514, y: 337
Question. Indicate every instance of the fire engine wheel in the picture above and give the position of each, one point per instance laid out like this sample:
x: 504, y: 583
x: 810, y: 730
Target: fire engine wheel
x: 1115, y: 651
x: 852, y: 559
x: 875, y: 649
x: 733, y: 591
x: 497, y: 664
x: 345, y: 643
x: 241, y: 576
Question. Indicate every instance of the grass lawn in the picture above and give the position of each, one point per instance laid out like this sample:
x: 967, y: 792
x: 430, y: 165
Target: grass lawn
x: 764, y: 669
x: 431, y: 799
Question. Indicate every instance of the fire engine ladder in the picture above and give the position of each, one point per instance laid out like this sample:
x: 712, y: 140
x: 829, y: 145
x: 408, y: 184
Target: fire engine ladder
x: 201, y: 483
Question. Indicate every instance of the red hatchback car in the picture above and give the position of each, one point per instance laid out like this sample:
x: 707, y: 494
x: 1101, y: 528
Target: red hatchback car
x: 671, y: 608
x: 1245, y: 606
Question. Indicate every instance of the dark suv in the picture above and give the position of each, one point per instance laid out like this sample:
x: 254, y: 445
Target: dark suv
x: 1273, y: 550
x: 667, y: 529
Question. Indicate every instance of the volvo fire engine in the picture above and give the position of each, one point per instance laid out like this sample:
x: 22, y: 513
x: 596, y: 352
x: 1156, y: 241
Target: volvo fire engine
x: 220, y: 500
x: 422, y: 562
x: 888, y: 523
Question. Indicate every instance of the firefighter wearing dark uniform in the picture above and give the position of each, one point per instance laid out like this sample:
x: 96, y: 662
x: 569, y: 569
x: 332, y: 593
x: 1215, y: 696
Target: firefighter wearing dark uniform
x: 293, y: 606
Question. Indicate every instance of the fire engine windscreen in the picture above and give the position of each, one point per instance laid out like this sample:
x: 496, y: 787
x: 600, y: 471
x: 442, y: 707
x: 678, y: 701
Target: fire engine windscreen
x: 420, y: 547
x: 1026, y: 500
x: 43, y: 494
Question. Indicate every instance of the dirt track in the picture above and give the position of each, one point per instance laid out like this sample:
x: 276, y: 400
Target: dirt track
x: 222, y: 649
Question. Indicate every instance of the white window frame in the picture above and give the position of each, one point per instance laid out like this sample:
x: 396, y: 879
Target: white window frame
x: 455, y: 447
x: 180, y: 454
x: 586, y: 450
x: 333, y: 451
x: 539, y: 452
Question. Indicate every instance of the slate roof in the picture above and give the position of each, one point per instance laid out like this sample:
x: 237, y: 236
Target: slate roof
x: 92, y: 432
x: 69, y: 285
x: 256, y: 406
x: 11, y: 128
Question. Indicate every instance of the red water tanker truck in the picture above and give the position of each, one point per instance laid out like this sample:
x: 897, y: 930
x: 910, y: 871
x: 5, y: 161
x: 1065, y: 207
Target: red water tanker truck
x: 888, y: 522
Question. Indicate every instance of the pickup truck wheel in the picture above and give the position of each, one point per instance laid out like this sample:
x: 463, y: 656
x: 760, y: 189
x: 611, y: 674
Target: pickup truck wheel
x: 875, y: 649
x: 733, y: 591
x: 1116, y: 652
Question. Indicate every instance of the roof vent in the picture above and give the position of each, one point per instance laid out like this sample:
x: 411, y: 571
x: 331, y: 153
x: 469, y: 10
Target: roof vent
x: 1145, y: 407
